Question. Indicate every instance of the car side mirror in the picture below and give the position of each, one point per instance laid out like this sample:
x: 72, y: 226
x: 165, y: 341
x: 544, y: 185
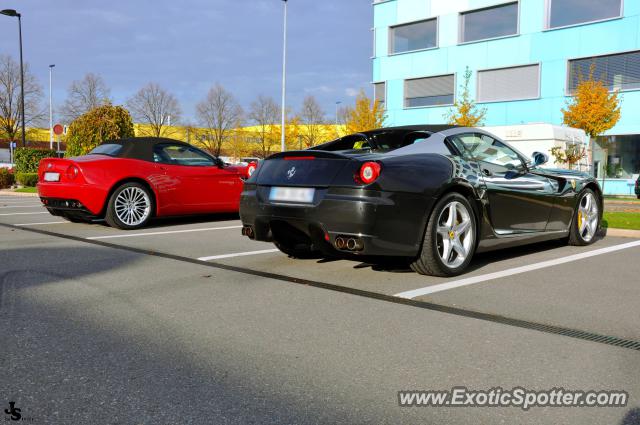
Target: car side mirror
x: 539, y: 158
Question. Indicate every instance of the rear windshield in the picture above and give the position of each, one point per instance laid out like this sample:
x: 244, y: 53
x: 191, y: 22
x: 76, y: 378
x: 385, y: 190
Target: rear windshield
x: 378, y: 142
x: 111, y: 149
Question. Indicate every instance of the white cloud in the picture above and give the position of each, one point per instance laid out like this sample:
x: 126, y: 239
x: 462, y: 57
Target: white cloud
x: 351, y: 92
x: 319, y: 89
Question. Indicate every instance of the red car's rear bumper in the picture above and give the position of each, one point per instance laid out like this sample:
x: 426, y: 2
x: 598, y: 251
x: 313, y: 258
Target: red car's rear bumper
x: 91, y: 197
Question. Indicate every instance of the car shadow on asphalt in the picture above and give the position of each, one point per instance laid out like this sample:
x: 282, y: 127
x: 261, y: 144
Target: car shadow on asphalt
x: 79, y: 347
x: 184, y: 220
x: 479, y: 261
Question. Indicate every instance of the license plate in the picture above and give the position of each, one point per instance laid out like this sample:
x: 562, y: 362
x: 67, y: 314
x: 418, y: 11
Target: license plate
x: 52, y: 177
x: 292, y: 194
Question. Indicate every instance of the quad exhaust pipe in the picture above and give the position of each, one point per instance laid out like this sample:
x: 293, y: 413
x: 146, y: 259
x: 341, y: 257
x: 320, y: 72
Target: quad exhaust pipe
x: 349, y: 243
x: 248, y: 231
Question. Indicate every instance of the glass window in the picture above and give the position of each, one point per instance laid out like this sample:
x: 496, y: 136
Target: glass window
x: 415, y: 36
x: 373, y: 31
x: 181, y: 155
x: 430, y: 91
x: 380, y: 92
x: 492, y: 22
x: 562, y: 13
x: 384, y: 141
x: 617, y: 72
x: 521, y: 82
x: 111, y: 149
x: 480, y: 147
x: 621, y: 156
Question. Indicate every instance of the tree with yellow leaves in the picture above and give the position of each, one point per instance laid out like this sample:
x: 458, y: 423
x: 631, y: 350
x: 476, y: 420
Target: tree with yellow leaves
x: 366, y: 115
x: 593, y: 109
x: 570, y: 154
x: 464, y: 111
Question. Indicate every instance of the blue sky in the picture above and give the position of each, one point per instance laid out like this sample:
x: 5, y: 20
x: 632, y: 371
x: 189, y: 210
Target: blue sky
x: 188, y: 45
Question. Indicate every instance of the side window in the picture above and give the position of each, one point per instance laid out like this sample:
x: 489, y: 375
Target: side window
x: 481, y: 147
x: 181, y: 155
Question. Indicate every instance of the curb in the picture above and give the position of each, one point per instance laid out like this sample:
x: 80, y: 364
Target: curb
x: 623, y: 233
x: 10, y: 192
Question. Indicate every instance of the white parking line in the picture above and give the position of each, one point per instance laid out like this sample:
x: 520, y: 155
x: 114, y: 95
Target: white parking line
x: 46, y: 222
x: 510, y: 272
x: 31, y: 213
x: 238, y: 254
x: 169, y: 232
x: 21, y: 206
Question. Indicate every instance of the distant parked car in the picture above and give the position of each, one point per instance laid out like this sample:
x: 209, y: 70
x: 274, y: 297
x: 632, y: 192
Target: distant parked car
x: 249, y: 160
x: 129, y: 181
x: 638, y: 187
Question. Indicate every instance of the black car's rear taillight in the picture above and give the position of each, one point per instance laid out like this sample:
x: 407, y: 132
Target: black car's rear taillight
x: 369, y: 172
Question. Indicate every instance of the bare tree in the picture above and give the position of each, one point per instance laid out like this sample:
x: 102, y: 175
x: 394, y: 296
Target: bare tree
x: 341, y: 122
x: 265, y: 114
x: 10, y: 116
x: 154, y: 106
x: 312, y: 118
x: 219, y: 114
x: 85, y: 95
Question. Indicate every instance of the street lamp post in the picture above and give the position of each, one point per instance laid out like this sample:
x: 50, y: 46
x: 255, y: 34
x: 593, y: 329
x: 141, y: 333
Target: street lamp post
x: 284, y: 80
x: 13, y: 13
x: 337, y: 105
x: 51, y: 107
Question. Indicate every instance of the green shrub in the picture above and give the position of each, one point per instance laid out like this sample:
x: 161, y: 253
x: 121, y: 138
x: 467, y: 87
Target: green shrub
x: 27, y: 179
x: 6, y: 178
x: 27, y: 159
x: 100, y: 124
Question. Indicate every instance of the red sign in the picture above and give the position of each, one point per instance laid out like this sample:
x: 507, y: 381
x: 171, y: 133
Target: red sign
x: 58, y: 129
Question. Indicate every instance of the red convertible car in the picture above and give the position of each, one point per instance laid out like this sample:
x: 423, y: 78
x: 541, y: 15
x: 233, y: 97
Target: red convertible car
x: 129, y: 181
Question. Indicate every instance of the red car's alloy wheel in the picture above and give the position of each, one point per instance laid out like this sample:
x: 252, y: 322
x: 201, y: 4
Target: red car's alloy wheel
x: 132, y: 206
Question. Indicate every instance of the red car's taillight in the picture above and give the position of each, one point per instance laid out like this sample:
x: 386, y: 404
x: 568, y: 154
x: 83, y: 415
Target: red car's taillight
x: 251, y: 169
x: 72, y: 172
x: 369, y: 172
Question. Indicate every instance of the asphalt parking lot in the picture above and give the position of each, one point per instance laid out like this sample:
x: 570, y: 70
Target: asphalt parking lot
x: 187, y: 321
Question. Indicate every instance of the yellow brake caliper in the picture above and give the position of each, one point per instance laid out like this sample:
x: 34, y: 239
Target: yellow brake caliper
x: 579, y: 219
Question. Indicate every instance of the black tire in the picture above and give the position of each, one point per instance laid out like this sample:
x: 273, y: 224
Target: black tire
x: 111, y: 217
x: 300, y: 251
x: 576, y: 238
x: 429, y: 261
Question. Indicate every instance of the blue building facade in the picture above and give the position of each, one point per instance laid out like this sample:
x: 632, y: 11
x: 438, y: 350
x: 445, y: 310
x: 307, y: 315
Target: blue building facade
x: 525, y: 58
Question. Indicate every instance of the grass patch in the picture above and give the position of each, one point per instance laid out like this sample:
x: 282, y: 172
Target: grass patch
x: 27, y: 190
x: 621, y: 220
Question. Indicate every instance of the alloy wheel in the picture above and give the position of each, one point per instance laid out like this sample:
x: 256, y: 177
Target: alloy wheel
x: 132, y: 206
x: 588, y: 216
x: 454, y: 234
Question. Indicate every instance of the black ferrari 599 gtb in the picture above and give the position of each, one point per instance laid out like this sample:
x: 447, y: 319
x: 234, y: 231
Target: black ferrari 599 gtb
x: 433, y: 195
